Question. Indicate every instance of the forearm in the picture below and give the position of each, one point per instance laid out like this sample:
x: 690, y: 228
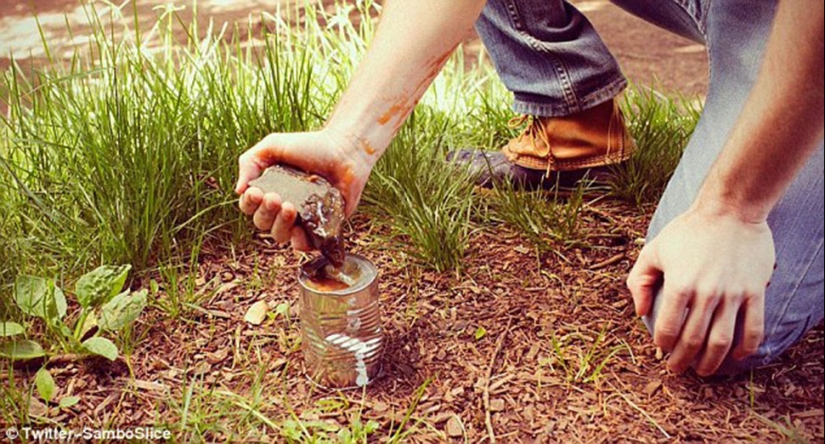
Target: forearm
x: 782, y: 122
x: 413, y: 41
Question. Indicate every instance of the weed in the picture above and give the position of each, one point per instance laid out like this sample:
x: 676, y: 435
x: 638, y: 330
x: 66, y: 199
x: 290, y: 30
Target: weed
x: 587, y: 363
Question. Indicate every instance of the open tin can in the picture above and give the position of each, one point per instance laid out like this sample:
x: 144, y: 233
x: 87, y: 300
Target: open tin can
x: 343, y: 340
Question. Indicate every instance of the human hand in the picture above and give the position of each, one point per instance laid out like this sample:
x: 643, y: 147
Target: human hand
x: 325, y: 153
x: 714, y: 266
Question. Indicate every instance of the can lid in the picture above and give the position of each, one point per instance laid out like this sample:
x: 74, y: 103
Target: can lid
x: 356, y: 274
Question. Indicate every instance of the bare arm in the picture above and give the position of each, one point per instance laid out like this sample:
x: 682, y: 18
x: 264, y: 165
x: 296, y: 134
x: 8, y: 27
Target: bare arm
x: 717, y: 259
x: 782, y: 121
x: 413, y: 41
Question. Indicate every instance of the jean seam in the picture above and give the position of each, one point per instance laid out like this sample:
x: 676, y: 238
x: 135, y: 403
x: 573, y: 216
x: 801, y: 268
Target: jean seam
x: 611, y: 90
x: 558, y: 65
x: 795, y: 291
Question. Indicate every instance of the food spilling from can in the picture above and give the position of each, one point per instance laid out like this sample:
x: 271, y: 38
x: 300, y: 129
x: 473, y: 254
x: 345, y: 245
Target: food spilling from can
x: 343, y: 340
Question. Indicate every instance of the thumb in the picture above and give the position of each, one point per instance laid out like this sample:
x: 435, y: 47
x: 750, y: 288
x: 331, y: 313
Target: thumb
x: 644, y: 279
x: 255, y: 160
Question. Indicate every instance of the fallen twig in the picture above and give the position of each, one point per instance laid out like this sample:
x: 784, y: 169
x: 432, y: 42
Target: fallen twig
x: 612, y: 261
x: 488, y: 416
x: 644, y: 413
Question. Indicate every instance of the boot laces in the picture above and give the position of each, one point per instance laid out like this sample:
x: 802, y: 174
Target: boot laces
x: 535, y: 130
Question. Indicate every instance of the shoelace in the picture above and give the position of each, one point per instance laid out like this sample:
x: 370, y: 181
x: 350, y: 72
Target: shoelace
x: 535, y: 128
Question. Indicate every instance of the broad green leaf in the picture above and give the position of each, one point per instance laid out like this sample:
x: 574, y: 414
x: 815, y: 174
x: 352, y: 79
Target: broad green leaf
x: 9, y: 329
x: 121, y: 311
x: 60, y: 302
x: 100, y: 285
x: 481, y: 332
x: 65, y: 330
x: 21, y: 350
x: 45, y: 384
x: 39, y: 297
x: 282, y: 309
x: 90, y: 326
x: 101, y: 347
x: 69, y: 401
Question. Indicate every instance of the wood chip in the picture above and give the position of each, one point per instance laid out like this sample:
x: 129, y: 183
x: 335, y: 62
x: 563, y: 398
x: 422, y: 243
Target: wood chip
x: 497, y: 405
x: 454, y: 427
x: 150, y: 386
x: 218, y: 356
x: 653, y: 387
x: 380, y: 407
x: 202, y: 369
x: 257, y: 313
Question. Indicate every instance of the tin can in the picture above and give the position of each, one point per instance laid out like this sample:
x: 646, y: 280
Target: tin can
x: 343, y: 340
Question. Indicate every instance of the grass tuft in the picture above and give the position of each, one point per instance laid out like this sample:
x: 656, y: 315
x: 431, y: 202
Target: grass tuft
x: 662, y: 126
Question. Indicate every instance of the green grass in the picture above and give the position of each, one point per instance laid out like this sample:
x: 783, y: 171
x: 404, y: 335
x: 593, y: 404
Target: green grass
x: 662, y: 126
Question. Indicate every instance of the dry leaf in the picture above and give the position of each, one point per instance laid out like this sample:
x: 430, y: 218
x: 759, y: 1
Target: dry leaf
x: 257, y: 313
x: 653, y: 387
x: 37, y: 408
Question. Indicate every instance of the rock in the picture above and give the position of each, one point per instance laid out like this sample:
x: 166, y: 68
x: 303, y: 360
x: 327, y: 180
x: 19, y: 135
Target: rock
x: 454, y: 427
x: 320, y: 206
x: 257, y: 313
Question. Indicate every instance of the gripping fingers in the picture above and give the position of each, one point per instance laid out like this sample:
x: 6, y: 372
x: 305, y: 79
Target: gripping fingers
x: 643, y: 280
x: 251, y: 200
x: 754, y: 331
x: 265, y: 216
x: 720, y: 339
x: 282, y: 228
x: 671, y: 316
x: 693, y: 336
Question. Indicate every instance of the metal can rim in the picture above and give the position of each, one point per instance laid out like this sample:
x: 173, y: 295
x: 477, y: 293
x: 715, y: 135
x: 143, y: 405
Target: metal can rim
x: 302, y: 276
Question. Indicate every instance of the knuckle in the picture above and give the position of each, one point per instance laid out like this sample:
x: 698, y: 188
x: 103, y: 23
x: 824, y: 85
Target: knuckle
x: 754, y: 336
x: 664, y: 336
x: 720, y: 342
x: 694, y: 342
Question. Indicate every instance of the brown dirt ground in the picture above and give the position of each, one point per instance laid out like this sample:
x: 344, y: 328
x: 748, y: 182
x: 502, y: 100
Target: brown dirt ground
x: 520, y: 298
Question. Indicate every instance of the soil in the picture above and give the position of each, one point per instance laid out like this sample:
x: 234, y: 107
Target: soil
x: 467, y: 358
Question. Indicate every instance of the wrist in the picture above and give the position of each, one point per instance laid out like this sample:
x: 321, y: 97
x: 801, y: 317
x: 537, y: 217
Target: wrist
x: 725, y: 205
x: 361, y: 144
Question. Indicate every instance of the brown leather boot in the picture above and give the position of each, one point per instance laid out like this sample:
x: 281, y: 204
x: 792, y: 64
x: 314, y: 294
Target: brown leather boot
x: 595, y: 137
x: 555, y: 151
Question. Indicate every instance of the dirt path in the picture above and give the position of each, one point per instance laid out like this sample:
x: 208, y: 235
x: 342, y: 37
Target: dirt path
x: 645, y: 52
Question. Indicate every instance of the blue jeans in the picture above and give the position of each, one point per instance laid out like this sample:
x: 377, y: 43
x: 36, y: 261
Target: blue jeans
x: 553, y: 61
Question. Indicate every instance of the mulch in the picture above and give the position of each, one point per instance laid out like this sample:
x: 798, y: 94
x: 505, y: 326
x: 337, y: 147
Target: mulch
x: 454, y: 383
